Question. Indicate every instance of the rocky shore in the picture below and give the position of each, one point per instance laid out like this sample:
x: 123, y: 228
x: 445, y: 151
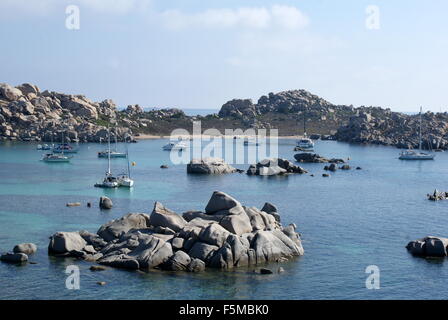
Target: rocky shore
x: 225, y: 235
x: 29, y: 114
x: 384, y: 127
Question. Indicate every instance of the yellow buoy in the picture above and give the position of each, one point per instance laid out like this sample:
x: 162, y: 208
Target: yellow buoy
x: 134, y: 164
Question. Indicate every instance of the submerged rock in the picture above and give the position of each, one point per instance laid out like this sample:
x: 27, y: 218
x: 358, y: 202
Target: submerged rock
x: 26, y: 248
x: 265, y: 271
x: 332, y: 167
x: 234, y: 236
x: 315, y: 158
x: 14, y: 257
x: 73, y: 204
x: 106, y: 203
x: 209, y: 166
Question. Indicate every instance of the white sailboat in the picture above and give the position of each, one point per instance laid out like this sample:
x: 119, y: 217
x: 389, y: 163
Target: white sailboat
x: 109, y: 181
x: 417, y: 155
x: 56, y: 158
x: 112, y: 154
x: 305, y: 142
x: 176, y: 146
x: 125, y: 180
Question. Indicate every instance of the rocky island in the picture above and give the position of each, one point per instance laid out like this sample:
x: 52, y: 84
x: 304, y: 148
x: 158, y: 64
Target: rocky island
x: 29, y: 114
x: 225, y: 235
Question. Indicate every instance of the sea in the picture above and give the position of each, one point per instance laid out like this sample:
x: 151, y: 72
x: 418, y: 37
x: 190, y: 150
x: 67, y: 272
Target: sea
x: 351, y: 223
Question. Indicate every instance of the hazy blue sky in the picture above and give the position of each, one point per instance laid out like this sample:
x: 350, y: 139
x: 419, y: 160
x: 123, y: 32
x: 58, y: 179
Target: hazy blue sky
x: 199, y: 54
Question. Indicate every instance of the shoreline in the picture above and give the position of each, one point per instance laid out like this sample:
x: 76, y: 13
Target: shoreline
x: 186, y: 137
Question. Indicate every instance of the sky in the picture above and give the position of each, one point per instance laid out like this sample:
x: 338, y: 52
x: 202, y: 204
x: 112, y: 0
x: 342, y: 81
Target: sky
x: 200, y: 54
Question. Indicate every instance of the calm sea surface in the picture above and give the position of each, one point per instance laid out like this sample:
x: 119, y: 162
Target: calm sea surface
x: 349, y: 221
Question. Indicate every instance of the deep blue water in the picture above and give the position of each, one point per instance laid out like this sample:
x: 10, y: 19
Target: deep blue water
x: 349, y: 221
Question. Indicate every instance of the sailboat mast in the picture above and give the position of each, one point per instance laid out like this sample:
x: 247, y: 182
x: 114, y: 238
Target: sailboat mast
x: 304, y: 124
x: 108, y: 152
x: 62, y: 143
x: 127, y: 158
x: 116, y: 140
x: 420, y: 131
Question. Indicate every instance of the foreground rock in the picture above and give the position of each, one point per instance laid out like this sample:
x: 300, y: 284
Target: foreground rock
x: 272, y: 167
x: 225, y: 235
x: 429, y: 247
x: 315, y: 158
x: 26, y: 248
x: 209, y: 166
x: 106, y: 203
x: 14, y: 257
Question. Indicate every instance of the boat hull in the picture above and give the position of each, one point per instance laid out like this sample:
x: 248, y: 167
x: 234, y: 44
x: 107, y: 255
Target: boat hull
x: 112, y: 155
x: 127, y: 183
x: 56, y: 160
x: 425, y: 157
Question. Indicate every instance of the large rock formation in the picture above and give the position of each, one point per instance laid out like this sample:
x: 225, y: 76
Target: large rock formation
x: 209, y: 166
x: 28, y: 114
x: 234, y: 236
x: 384, y: 127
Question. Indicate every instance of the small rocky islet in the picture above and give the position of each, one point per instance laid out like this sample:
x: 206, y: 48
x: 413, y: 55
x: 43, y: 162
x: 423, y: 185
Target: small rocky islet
x: 428, y: 247
x: 223, y: 236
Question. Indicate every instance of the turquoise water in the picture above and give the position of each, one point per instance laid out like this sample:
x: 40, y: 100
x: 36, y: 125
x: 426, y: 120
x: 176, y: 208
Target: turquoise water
x: 349, y: 221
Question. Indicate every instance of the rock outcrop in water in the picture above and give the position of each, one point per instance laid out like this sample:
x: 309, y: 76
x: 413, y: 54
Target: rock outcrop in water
x: 20, y: 253
x: 273, y: 167
x: 209, y: 166
x: 225, y: 235
x: 438, y: 196
x: 384, y: 127
x: 315, y: 158
x: 428, y: 247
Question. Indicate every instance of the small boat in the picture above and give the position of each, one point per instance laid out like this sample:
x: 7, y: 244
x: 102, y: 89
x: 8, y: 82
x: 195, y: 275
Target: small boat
x: 305, y: 143
x: 109, y: 181
x: 124, y: 180
x: 113, y: 154
x: 51, y: 157
x: 44, y: 147
x: 251, y: 143
x: 179, y: 146
x: 65, y: 148
x: 417, y: 155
